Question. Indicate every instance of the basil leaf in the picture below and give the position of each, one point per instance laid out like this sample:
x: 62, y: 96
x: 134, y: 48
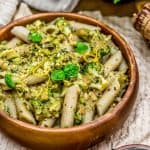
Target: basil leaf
x: 116, y: 1
x: 9, y: 81
x: 82, y: 47
x: 35, y: 37
x: 71, y: 70
x: 58, y: 75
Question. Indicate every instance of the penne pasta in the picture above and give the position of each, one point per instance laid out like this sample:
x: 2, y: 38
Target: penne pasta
x: 33, y: 79
x: 89, y: 115
x: 48, y: 122
x: 21, y: 32
x: 108, y: 97
x: 78, y: 25
x: 23, y: 113
x: 90, y: 107
x: 113, y: 63
x: 13, y: 43
x: 123, y: 66
x: 11, y: 108
x: 69, y: 107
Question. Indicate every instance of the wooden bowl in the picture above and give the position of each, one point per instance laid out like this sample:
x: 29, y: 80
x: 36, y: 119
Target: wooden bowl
x: 82, y: 136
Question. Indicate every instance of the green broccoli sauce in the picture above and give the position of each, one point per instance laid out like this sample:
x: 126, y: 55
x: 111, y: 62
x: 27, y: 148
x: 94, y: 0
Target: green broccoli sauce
x: 47, y: 109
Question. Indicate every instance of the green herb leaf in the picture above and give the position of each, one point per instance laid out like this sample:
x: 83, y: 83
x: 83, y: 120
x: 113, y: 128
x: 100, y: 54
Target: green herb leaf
x: 58, y: 75
x: 35, y: 37
x: 82, y: 47
x: 116, y: 1
x: 9, y: 81
x: 71, y: 70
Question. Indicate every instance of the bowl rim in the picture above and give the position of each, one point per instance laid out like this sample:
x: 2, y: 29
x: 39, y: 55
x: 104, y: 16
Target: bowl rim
x: 106, y: 117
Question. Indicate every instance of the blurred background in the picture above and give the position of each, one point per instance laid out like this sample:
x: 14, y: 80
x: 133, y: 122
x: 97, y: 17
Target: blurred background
x: 107, y: 7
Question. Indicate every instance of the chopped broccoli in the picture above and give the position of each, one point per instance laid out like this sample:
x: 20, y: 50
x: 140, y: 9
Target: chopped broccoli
x: 46, y: 109
x: 55, y: 105
x: 83, y: 34
x: 37, y: 106
x: 63, y: 26
x: 90, y: 68
x: 105, y: 51
x: 71, y: 70
x: 78, y: 118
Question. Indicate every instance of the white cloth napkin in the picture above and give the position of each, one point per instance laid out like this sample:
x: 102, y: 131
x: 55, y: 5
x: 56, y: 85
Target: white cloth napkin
x: 52, y: 5
x: 7, y: 10
x: 8, y: 7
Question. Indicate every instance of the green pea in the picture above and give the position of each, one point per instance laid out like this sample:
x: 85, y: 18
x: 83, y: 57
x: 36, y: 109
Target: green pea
x: 35, y: 37
x: 58, y: 75
x: 9, y: 81
x: 82, y: 47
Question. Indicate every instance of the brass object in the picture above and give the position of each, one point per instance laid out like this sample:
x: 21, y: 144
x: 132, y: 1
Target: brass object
x: 142, y: 21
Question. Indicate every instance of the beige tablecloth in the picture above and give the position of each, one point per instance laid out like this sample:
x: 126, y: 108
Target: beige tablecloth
x: 137, y: 127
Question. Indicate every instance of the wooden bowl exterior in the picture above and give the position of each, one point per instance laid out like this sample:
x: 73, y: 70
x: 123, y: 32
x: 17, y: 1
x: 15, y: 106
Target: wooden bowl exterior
x: 83, y: 136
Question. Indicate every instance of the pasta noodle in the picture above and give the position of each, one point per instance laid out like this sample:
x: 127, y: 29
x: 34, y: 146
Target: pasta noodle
x: 69, y: 107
